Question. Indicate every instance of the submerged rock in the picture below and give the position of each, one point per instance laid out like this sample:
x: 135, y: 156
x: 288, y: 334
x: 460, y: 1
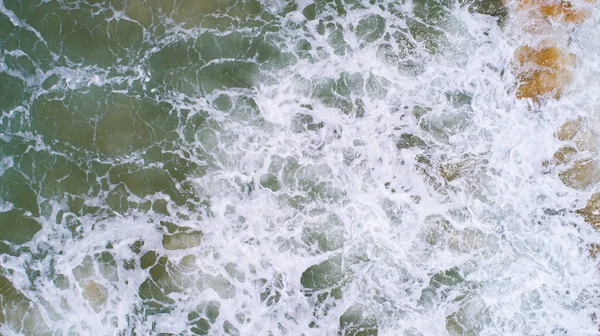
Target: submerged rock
x: 533, y: 84
x: 470, y: 318
x: 18, y: 312
x: 467, y: 240
x: 324, y: 275
x: 569, y: 129
x: 579, y: 131
x: 545, y: 69
x: 562, y: 10
x: 564, y: 155
x: 94, y: 293
x: 542, y: 71
x: 441, y: 285
x: 591, y: 212
x: 182, y: 240
x: 594, y: 250
x: 549, y: 57
x: 582, y: 174
x: 437, y: 229
x: 357, y: 321
x: 408, y: 140
x: 466, y: 165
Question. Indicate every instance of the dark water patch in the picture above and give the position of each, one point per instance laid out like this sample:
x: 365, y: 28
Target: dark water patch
x: 12, y: 94
x: 16, y: 190
x: 103, y: 122
x: 17, y: 228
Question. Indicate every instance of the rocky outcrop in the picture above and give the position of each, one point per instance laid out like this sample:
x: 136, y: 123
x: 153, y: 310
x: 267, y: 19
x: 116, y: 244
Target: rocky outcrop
x: 576, y: 161
x: 543, y: 67
x: 591, y: 212
x: 578, y: 164
x: 542, y: 70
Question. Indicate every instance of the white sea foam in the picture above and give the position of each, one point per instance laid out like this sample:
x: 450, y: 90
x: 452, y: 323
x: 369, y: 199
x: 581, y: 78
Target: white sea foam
x: 402, y: 247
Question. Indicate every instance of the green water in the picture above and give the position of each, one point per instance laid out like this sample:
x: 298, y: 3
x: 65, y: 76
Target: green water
x: 115, y: 110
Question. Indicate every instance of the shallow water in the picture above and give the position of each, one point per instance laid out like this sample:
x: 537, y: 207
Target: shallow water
x: 286, y: 168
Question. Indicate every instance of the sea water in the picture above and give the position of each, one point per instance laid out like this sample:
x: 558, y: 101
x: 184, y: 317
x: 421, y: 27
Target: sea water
x: 231, y: 167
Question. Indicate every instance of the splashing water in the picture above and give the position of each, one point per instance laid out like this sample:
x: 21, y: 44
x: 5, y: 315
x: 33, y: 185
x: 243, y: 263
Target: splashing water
x: 288, y: 168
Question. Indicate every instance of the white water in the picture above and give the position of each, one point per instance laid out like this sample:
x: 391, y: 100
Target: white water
x: 385, y: 216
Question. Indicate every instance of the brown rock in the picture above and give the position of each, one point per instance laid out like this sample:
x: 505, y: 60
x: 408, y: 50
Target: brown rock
x: 582, y: 174
x: 569, y: 129
x: 594, y: 250
x: 587, y: 140
x: 550, y: 57
x: 536, y: 83
x: 543, y: 70
x: 562, y: 11
x: 564, y: 155
x: 591, y: 213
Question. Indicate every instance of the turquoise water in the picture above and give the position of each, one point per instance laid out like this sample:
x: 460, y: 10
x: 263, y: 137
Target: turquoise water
x: 284, y: 168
